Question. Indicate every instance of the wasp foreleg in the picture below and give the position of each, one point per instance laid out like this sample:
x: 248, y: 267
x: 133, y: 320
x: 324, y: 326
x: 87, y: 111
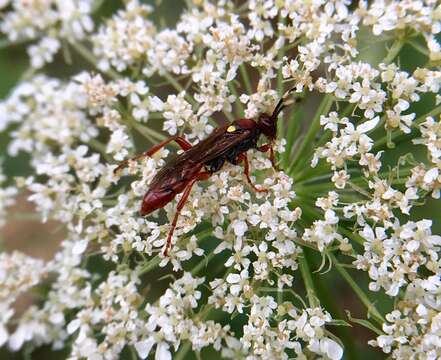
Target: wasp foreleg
x: 265, y: 148
x: 184, y: 144
x: 246, y: 170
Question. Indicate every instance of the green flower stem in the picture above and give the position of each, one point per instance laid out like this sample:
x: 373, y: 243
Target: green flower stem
x: 91, y: 58
x: 322, y: 173
x: 290, y: 132
x: 327, y: 135
x: 307, y: 180
x: 229, y: 116
x: 311, y: 174
x: 279, y: 297
x: 398, y: 181
x: 172, y: 81
x: 315, y: 188
x: 203, y: 263
x: 309, y: 214
x: 246, y: 79
x: 190, y: 4
x: 393, y: 51
x: 364, y: 323
x: 182, y: 352
x: 147, y: 136
x: 347, y: 111
x: 238, y: 104
x: 331, y: 304
x: 133, y: 353
x: 402, y: 172
x: 422, y: 118
x: 351, y: 235
x: 361, y: 295
x: 28, y: 74
x: 297, y: 165
x: 280, y: 55
x: 146, y: 131
x: 152, y: 264
x: 185, y: 348
x: 380, y: 143
x: 307, y: 279
x: 418, y: 47
x: 101, y: 148
x: 6, y: 43
x: 97, y: 5
x: 283, y: 291
x: 358, y: 189
x: 305, y: 244
x: 143, y: 130
x: 179, y: 88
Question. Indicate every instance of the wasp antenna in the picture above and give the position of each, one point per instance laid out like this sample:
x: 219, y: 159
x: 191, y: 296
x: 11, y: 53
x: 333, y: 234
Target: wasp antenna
x: 285, y: 95
x: 279, y: 107
x: 283, y: 103
x: 289, y: 102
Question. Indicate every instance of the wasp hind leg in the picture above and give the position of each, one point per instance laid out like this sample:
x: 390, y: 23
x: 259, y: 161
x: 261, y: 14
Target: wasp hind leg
x: 184, y: 144
x: 201, y: 176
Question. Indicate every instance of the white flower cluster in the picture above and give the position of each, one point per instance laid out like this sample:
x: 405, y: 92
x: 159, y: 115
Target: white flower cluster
x: 46, y: 22
x: 324, y: 232
x: 7, y: 194
x: 169, y: 322
x: 394, y: 261
x: 414, y: 327
x: 424, y: 177
x: 293, y: 329
x: 111, y: 312
x: 420, y: 16
x: 70, y: 290
x: 126, y: 38
x: 18, y: 273
x: 352, y: 142
x: 223, y: 63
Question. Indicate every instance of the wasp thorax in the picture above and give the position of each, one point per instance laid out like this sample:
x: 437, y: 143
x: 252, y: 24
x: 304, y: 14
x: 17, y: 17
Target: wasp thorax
x: 267, y: 125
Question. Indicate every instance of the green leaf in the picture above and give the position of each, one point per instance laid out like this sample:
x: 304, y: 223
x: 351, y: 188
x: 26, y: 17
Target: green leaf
x: 292, y: 132
x: 307, y: 280
x: 372, y: 310
x: 302, y: 153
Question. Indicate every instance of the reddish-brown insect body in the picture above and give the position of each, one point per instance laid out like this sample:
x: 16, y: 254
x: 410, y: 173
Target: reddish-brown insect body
x: 228, y: 143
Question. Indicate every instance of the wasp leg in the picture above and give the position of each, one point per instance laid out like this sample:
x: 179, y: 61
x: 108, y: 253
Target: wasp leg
x: 246, y: 170
x: 184, y: 144
x: 201, y: 176
x: 265, y: 148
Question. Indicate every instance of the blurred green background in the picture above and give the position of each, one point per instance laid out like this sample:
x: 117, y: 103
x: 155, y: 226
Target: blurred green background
x: 31, y: 237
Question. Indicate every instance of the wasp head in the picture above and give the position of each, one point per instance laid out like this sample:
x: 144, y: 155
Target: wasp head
x: 268, y: 124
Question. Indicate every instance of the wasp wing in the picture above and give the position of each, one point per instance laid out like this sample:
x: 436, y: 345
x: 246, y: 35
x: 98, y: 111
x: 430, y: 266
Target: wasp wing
x: 217, y: 144
x: 181, y: 168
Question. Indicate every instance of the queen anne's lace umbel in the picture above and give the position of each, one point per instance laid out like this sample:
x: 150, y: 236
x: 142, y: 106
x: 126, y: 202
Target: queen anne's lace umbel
x: 344, y: 192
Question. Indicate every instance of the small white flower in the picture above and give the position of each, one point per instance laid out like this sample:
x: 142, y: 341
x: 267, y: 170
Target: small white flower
x: 143, y: 347
x: 240, y: 227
